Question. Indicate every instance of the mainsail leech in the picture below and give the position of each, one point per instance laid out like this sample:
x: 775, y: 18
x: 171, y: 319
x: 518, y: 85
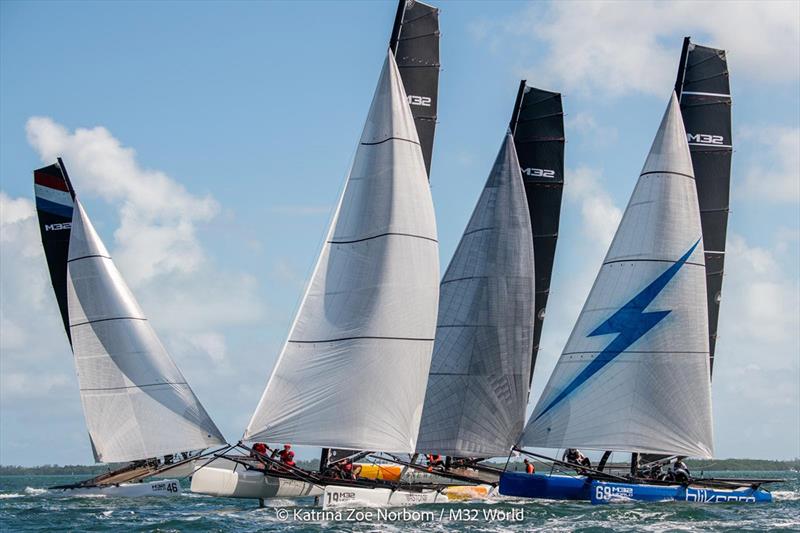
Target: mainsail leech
x: 634, y: 375
x: 703, y: 87
x: 136, y: 402
x: 478, y: 384
x: 353, y: 371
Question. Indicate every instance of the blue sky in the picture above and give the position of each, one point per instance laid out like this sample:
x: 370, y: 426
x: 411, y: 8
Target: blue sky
x: 209, y: 141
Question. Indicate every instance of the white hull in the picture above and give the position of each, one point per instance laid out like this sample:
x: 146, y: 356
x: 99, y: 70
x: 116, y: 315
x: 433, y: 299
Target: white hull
x: 341, y: 496
x: 167, y: 487
x: 231, y: 480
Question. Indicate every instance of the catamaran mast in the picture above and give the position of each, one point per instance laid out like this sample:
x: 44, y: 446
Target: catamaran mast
x: 537, y: 124
x: 703, y: 88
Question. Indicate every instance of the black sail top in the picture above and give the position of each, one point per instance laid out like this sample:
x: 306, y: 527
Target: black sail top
x: 538, y: 128
x: 704, y: 90
x: 54, y: 203
x: 415, y: 42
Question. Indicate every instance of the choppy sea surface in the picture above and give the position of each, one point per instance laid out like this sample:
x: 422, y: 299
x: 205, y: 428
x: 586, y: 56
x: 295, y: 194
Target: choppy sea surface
x: 25, y: 505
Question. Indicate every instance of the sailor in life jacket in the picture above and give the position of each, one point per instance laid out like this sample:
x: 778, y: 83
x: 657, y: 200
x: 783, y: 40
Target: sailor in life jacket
x: 284, y: 454
x: 289, y: 461
x: 434, y: 461
x: 258, y: 449
x: 348, y: 469
x: 529, y: 468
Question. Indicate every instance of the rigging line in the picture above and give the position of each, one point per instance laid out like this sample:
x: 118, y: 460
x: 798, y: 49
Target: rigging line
x: 666, y: 172
x: 705, y: 59
x: 390, y: 139
x: 724, y: 73
x: 401, y: 39
x: 388, y: 233
x: 362, y: 337
x: 541, y: 117
x: 87, y: 257
x: 106, y: 320
x: 216, y: 455
x: 650, y: 261
x: 136, y: 386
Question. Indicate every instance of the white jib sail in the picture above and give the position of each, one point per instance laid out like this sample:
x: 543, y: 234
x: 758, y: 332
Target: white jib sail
x: 478, y: 384
x: 634, y: 375
x: 353, y: 371
x: 136, y: 402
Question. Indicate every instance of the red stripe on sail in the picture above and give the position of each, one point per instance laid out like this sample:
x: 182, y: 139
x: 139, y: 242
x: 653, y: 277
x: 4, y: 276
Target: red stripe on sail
x: 49, y: 180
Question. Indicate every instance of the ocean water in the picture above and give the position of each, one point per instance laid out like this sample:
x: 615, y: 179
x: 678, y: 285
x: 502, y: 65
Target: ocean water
x: 25, y: 505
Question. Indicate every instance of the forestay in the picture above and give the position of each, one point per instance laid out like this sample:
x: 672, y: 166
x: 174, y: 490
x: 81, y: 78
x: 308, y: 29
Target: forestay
x: 478, y: 384
x: 353, y: 371
x: 136, y: 402
x: 634, y: 375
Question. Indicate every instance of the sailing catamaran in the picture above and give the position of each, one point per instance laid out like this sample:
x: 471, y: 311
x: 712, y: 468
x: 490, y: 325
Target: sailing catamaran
x: 635, y: 373
x: 137, y: 404
x: 414, y: 47
x: 485, y: 345
x: 369, y: 314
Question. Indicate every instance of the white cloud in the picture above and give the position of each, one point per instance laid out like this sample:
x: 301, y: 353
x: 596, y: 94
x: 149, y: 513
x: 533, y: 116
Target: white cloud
x: 193, y: 303
x: 773, y: 170
x: 621, y: 47
x: 584, y: 126
x: 600, y: 216
x: 757, y: 363
x: 158, y: 215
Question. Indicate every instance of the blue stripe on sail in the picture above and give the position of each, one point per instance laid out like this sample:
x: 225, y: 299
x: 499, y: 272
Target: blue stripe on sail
x: 631, y: 322
x: 53, y: 208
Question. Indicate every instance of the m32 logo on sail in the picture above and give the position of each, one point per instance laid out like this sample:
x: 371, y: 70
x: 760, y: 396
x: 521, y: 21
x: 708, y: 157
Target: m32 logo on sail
x: 423, y: 101
x: 538, y: 172
x: 57, y: 227
x: 704, y: 138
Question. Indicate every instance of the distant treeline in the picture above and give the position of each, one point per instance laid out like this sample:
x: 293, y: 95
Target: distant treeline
x: 694, y: 465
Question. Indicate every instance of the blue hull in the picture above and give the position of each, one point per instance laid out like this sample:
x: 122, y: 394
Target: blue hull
x: 545, y: 486
x: 604, y: 492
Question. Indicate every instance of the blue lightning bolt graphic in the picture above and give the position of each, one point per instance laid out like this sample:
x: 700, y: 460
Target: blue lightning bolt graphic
x: 631, y: 322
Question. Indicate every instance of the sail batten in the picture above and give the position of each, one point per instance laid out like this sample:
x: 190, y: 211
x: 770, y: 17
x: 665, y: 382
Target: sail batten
x: 136, y: 402
x: 352, y: 373
x: 634, y: 373
x: 477, y: 387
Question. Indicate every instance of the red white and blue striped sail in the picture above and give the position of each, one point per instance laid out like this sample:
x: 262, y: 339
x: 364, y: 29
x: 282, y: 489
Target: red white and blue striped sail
x: 634, y: 375
x: 136, y: 402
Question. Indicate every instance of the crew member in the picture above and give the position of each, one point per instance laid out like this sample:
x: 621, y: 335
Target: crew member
x: 680, y: 472
x: 529, y: 468
x: 258, y: 449
x: 434, y: 461
x: 289, y: 461
x: 575, y: 457
x: 348, y: 471
x: 284, y: 454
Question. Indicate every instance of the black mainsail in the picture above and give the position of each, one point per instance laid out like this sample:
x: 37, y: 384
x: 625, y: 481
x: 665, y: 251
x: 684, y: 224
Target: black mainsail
x: 415, y: 43
x: 703, y: 87
x: 537, y: 124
